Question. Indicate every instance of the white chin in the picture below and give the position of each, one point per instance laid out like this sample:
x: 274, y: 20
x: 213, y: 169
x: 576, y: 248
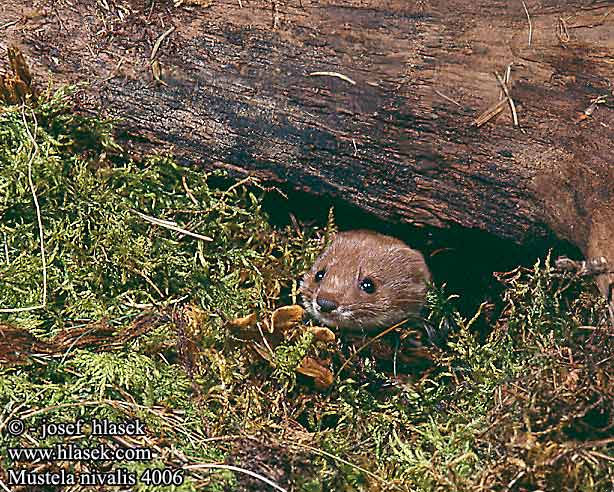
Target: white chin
x: 338, y: 320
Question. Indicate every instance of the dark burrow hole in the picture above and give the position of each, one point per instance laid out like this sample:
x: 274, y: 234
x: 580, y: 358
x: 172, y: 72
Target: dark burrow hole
x: 463, y: 259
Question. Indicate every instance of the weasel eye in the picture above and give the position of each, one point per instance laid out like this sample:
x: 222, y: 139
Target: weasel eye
x: 320, y: 275
x: 367, y: 285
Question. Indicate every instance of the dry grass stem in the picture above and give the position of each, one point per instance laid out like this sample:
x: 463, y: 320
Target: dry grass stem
x: 33, y: 154
x: 509, y: 98
x: 526, y: 11
x: 341, y: 460
x: 490, y: 113
x: 366, y: 344
x: 169, y: 224
x: 333, y: 74
x: 213, y: 466
x: 159, y: 41
x: 447, y: 98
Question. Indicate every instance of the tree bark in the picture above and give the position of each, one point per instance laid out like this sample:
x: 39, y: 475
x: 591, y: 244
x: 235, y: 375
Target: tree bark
x: 230, y: 84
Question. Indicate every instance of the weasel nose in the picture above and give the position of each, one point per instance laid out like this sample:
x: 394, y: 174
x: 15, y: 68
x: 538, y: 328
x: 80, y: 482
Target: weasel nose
x: 326, y: 305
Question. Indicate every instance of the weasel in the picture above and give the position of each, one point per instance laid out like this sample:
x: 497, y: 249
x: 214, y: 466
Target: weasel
x: 365, y: 280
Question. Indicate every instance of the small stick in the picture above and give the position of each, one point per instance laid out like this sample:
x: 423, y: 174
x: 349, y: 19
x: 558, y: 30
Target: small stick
x: 249, y: 179
x: 169, y: 224
x: 339, y: 459
x: 447, y: 98
x: 508, y: 73
x: 9, y: 24
x: 562, y: 32
x: 188, y: 191
x: 158, y: 42
x: 265, y: 340
x: 6, y: 250
x: 209, y: 466
x: 333, y: 74
x: 509, y: 98
x: 490, y: 113
x: 36, y: 204
x: 526, y: 11
x: 587, y: 113
x: 38, y: 218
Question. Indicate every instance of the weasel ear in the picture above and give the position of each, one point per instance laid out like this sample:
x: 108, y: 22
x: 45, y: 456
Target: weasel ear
x: 416, y: 259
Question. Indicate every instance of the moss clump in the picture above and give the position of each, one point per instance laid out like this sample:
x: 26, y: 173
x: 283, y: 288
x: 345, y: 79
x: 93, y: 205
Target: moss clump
x: 104, y: 257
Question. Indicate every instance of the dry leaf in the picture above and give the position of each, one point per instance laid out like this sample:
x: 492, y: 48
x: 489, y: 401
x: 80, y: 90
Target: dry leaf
x: 322, y: 375
x: 286, y: 318
x: 322, y: 334
x: 244, y: 323
x: 16, y: 87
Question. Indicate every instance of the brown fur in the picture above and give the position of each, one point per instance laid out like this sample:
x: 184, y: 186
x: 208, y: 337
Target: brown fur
x: 399, y: 274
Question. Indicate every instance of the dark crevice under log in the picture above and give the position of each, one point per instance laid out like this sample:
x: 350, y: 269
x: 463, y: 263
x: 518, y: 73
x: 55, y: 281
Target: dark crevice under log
x: 398, y: 144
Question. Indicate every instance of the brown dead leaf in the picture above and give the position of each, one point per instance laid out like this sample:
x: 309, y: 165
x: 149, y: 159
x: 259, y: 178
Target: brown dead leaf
x: 572, y: 379
x: 315, y: 368
x: 285, y: 324
x: 322, y: 334
x: 244, y: 323
x: 286, y: 318
x: 16, y: 86
x: 195, y: 319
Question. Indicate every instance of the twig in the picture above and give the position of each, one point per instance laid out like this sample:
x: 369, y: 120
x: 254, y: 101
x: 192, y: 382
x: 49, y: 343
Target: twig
x: 265, y: 340
x: 447, y: 98
x: 156, y: 68
x: 38, y: 209
x: 341, y: 460
x: 158, y: 42
x: 526, y: 11
x: 593, y: 266
x: 509, y: 98
x: 496, y: 108
x: 587, y: 113
x: 365, y: 345
x: 9, y: 24
x: 490, y: 113
x: 518, y: 476
x: 601, y: 455
x: 332, y: 74
x: 149, y: 281
x: 188, y: 191
x: 249, y: 179
x: 38, y: 218
x: 506, y: 79
x: 562, y: 32
x: 168, y: 224
x: 6, y: 250
x: 236, y: 469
